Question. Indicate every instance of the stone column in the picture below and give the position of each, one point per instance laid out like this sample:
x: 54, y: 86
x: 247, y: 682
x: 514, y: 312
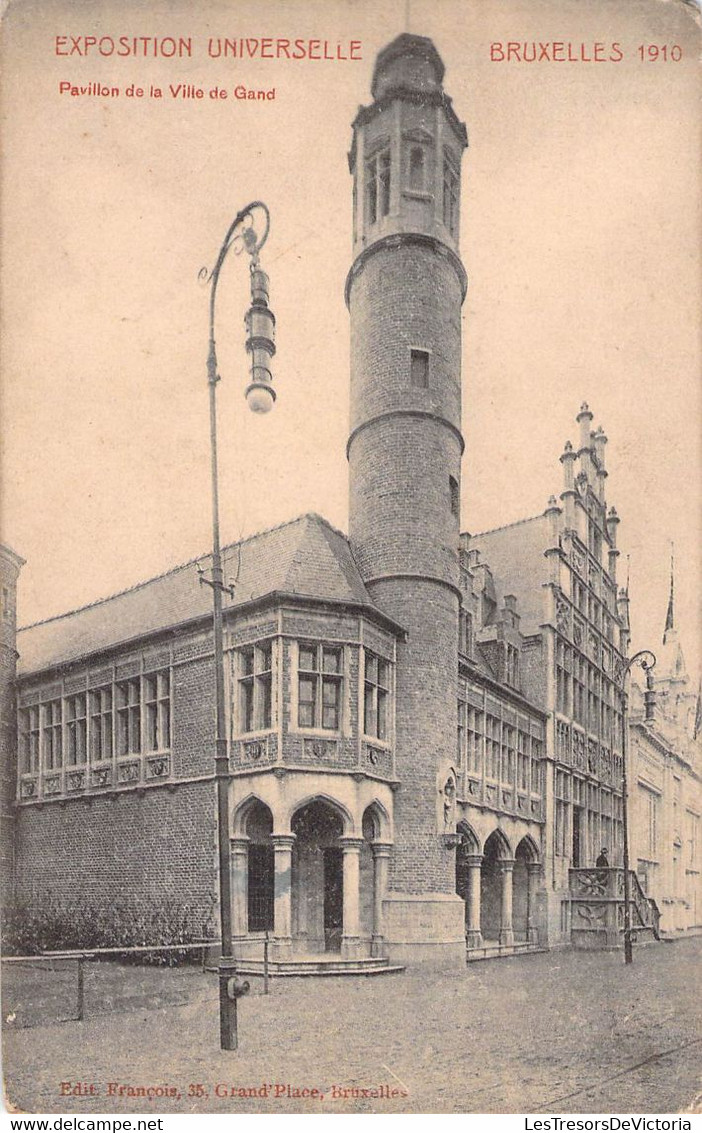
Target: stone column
x: 282, y: 894
x: 351, y: 933
x: 533, y: 878
x: 239, y: 854
x: 474, y: 937
x: 381, y: 857
x: 506, y: 868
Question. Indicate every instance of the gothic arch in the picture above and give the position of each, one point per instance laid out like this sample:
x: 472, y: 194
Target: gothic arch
x: 338, y: 808
x: 528, y: 850
x: 470, y: 843
x: 242, y: 811
x: 499, y: 843
x: 376, y: 815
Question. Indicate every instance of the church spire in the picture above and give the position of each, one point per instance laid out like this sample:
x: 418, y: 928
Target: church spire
x: 670, y: 615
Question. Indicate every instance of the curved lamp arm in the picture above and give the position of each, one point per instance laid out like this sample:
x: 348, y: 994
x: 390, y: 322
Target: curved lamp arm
x: 252, y: 244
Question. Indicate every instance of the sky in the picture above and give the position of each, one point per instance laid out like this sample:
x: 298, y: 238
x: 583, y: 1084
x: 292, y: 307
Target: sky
x: 580, y: 233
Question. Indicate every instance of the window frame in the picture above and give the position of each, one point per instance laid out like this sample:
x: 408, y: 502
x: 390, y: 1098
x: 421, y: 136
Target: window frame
x: 376, y: 696
x: 320, y: 679
x: 255, y: 688
x: 378, y: 187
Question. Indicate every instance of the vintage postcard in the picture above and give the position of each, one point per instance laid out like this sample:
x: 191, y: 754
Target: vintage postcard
x: 351, y: 717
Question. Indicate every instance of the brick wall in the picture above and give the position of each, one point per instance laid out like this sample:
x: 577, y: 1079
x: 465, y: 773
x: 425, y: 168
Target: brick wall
x: 402, y: 522
x: 9, y: 569
x: 156, y: 845
x: 425, y: 730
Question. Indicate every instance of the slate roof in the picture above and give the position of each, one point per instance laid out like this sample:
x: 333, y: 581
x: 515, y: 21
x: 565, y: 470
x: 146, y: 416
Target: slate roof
x: 305, y: 557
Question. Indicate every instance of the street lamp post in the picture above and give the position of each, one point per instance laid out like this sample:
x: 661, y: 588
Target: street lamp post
x: 647, y: 660
x: 260, y: 395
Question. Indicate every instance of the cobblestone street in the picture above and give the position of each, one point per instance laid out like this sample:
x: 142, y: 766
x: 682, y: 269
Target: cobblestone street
x: 552, y: 1032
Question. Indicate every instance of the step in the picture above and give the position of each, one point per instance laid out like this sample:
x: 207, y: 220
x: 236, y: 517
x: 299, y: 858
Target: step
x: 501, y: 951
x: 367, y: 966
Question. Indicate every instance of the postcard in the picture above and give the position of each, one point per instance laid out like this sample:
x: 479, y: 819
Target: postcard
x: 351, y: 704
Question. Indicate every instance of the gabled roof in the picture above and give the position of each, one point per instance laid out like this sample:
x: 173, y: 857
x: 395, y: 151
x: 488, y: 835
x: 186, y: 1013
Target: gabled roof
x: 306, y: 558
x: 515, y: 555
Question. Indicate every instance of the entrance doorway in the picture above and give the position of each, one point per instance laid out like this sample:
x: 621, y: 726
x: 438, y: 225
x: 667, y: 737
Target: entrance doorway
x: 317, y: 879
x: 333, y: 898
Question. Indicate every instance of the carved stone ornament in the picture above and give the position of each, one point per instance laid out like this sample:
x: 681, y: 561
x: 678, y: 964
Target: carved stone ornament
x: 129, y: 772
x: 591, y: 882
x: 254, y: 749
x: 322, y: 750
x: 593, y: 915
x: 157, y: 768
x: 75, y: 780
x: 579, y: 560
x: 102, y: 776
x: 562, y: 615
x: 449, y: 794
x: 29, y: 789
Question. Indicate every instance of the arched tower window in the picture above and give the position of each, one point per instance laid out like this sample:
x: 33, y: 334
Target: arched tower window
x: 416, y: 168
x: 378, y: 185
x: 454, y: 496
x: 451, y: 192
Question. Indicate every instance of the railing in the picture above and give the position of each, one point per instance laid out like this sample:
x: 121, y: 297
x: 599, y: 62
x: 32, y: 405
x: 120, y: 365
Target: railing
x: 79, y: 957
x: 597, y: 907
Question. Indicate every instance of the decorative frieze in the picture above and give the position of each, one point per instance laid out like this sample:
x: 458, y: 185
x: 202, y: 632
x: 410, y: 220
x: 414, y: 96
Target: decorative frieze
x: 75, y: 779
x: 129, y: 771
x: 563, y: 615
x: 29, y: 788
x: 579, y: 632
x: 101, y: 776
x: 378, y: 760
x: 52, y: 785
x: 158, y: 767
x: 321, y: 750
x: 579, y: 560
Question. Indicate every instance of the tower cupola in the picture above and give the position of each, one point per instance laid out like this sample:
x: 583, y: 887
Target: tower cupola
x: 407, y: 147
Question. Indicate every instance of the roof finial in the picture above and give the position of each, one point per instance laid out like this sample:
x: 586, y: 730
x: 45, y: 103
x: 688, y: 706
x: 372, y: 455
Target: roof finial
x: 628, y: 564
x: 670, y: 615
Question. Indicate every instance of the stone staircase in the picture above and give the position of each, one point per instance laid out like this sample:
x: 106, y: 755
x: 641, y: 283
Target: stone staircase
x: 320, y: 964
x: 493, y: 950
x: 596, y: 909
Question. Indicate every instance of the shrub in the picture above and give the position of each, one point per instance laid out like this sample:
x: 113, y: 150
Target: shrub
x: 29, y: 929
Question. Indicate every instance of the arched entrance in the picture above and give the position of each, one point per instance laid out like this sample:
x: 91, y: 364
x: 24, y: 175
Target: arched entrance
x: 258, y: 827
x: 496, y: 890
x: 468, y: 862
x: 526, y: 875
x: 375, y: 856
x: 317, y: 879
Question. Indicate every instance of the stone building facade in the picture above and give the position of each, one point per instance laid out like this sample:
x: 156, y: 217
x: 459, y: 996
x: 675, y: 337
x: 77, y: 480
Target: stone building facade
x: 666, y: 766
x: 561, y: 567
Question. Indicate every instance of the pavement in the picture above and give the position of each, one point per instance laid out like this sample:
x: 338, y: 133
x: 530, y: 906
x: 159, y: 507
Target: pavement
x: 554, y: 1032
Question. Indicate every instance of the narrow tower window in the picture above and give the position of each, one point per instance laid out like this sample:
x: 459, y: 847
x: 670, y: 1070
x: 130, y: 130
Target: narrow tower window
x: 416, y: 168
x: 378, y: 186
x: 454, y: 496
x: 419, y: 368
x: 451, y: 183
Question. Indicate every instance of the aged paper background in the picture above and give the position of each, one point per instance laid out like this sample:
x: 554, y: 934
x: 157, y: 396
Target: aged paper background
x: 580, y: 235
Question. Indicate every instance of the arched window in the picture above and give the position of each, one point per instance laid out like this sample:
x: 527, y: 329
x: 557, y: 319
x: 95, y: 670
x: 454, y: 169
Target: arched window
x: 416, y: 168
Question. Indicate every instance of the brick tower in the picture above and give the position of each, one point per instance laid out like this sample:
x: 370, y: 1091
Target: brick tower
x: 10, y: 565
x: 404, y: 292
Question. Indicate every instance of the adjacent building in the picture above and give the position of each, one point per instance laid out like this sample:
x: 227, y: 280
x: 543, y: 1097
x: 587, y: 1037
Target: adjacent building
x: 666, y: 763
